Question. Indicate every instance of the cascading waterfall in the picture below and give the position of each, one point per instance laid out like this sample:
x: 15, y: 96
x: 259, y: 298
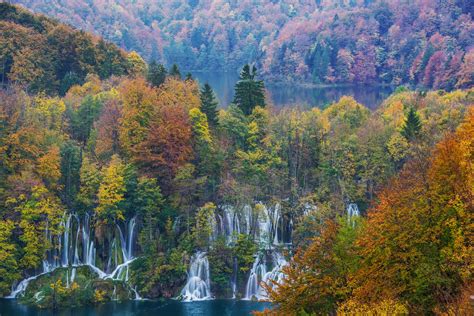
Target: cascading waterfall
x: 352, y: 212
x: 266, y: 226
x: 198, y: 285
x: 259, y: 275
x: 68, y: 253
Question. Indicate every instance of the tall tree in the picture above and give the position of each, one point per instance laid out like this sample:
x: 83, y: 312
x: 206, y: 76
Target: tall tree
x: 174, y: 71
x: 412, y: 126
x: 156, y: 74
x: 209, y: 105
x: 148, y: 203
x: 111, y: 192
x: 249, y: 92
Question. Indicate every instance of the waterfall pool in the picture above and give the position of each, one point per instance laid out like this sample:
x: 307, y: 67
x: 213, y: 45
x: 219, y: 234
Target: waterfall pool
x: 145, y: 308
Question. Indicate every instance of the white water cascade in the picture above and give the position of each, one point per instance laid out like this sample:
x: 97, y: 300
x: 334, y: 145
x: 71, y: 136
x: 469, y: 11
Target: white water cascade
x: 76, y: 248
x: 198, y: 285
x: 259, y: 275
x: 352, y: 213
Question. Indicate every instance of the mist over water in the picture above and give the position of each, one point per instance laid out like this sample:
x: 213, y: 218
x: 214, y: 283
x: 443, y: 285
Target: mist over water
x: 291, y: 94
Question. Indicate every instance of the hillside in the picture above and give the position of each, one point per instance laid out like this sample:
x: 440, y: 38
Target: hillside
x: 424, y: 43
x: 43, y: 54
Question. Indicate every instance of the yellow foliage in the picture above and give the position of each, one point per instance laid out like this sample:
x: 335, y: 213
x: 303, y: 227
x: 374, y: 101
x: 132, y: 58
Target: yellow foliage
x: 49, y: 165
x: 383, y: 308
x: 99, y: 296
x: 111, y: 191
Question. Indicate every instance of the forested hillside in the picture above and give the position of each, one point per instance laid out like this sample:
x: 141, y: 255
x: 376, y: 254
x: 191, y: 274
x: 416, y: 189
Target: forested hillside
x: 425, y: 43
x: 122, y: 180
x: 42, y: 54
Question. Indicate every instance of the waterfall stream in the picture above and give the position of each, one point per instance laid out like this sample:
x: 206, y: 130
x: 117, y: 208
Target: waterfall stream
x: 266, y: 225
x: 70, y: 254
x: 198, y: 285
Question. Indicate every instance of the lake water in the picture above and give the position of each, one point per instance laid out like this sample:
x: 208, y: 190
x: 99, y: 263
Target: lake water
x: 143, y: 308
x: 287, y: 94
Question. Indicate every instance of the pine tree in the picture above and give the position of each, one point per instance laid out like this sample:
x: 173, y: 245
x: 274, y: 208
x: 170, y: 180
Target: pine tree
x: 209, y: 105
x: 249, y: 92
x: 174, y: 71
x: 156, y: 74
x: 412, y: 126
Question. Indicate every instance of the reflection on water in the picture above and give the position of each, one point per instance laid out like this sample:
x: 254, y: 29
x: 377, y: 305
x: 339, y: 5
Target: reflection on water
x: 144, y: 308
x: 290, y: 94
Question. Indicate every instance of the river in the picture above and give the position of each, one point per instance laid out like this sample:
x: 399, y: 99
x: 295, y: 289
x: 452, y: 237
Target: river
x: 143, y: 308
x: 290, y: 94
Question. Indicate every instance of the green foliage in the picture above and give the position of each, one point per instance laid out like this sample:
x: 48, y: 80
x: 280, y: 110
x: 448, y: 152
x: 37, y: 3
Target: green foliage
x: 90, y: 179
x: 412, y: 126
x: 209, y: 105
x: 156, y: 74
x: 174, y: 72
x: 8, y: 264
x: 70, y: 170
x: 244, y: 252
x: 202, y: 231
x: 149, y: 201
x: 249, y: 92
x: 220, y: 264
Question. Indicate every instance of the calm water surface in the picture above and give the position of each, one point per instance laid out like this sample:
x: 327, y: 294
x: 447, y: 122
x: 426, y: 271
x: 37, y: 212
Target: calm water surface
x: 143, y: 308
x: 291, y: 95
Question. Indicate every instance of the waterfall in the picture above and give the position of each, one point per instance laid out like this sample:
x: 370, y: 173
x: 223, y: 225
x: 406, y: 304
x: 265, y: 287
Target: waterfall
x: 352, y: 212
x: 62, y: 258
x: 259, y: 269
x: 198, y: 285
x: 259, y: 275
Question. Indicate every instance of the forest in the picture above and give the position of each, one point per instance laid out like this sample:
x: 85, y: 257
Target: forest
x: 122, y: 179
x: 422, y: 43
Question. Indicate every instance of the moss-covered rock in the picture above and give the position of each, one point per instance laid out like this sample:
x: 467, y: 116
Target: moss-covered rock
x: 71, y: 287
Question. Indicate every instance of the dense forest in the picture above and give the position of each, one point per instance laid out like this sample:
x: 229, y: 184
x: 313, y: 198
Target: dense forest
x: 423, y: 43
x: 125, y: 180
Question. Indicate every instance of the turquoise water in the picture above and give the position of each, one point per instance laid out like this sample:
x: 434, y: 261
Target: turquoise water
x: 143, y: 308
x: 289, y: 94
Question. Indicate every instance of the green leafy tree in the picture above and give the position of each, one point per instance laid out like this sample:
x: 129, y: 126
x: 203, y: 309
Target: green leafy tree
x: 70, y: 170
x: 244, y: 251
x: 90, y: 179
x: 249, y: 92
x: 205, y: 220
x: 83, y: 119
x: 209, y: 105
x: 149, y: 201
x: 156, y: 74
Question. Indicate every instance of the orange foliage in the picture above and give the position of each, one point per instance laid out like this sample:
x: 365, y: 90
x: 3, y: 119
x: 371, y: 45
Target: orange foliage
x: 417, y: 244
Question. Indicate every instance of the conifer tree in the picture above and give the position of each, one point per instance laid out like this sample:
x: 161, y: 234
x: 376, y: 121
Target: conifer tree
x: 412, y: 126
x: 174, y: 71
x: 209, y: 105
x: 249, y: 92
x: 156, y: 74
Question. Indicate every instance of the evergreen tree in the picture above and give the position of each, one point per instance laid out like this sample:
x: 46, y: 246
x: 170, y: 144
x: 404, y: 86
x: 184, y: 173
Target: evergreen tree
x: 412, y: 126
x: 149, y: 201
x: 209, y: 105
x: 249, y: 92
x: 189, y: 76
x: 174, y: 71
x: 156, y: 74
